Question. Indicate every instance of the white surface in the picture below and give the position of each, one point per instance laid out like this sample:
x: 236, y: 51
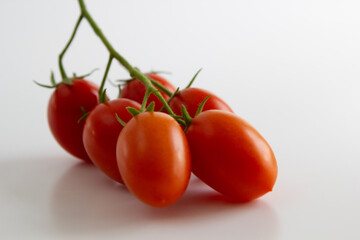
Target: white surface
x: 291, y: 68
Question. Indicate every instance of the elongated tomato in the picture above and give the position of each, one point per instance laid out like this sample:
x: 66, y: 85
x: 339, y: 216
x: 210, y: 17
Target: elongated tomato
x: 154, y: 159
x: 65, y: 108
x: 101, y: 132
x: 230, y: 156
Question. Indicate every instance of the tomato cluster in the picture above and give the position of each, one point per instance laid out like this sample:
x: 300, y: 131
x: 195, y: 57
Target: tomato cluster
x: 152, y: 155
x: 154, y: 136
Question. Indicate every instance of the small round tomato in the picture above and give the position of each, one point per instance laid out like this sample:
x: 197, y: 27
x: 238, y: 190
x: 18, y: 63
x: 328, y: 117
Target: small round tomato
x: 230, y: 156
x: 191, y: 98
x: 154, y: 158
x: 135, y: 90
x: 101, y: 132
x: 65, y: 108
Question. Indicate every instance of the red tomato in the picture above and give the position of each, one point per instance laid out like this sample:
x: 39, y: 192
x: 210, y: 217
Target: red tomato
x: 101, y: 132
x: 191, y: 98
x: 154, y: 158
x: 135, y: 90
x: 230, y: 156
x: 64, y: 111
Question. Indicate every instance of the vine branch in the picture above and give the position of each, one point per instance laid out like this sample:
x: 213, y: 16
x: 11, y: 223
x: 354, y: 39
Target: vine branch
x: 134, y: 72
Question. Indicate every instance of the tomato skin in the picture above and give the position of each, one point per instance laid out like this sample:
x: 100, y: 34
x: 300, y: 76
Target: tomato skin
x: 191, y: 98
x: 230, y: 156
x: 101, y: 132
x: 64, y: 111
x: 154, y: 158
x: 135, y: 90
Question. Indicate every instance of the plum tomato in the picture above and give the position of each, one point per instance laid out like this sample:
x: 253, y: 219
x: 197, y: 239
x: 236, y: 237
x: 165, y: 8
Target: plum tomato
x: 135, y: 90
x: 191, y: 98
x: 101, y: 132
x: 230, y: 156
x: 65, y: 108
x: 154, y: 158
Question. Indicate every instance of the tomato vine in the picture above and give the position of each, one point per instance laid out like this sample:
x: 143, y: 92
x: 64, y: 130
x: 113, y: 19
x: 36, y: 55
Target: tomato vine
x: 133, y: 71
x: 228, y: 153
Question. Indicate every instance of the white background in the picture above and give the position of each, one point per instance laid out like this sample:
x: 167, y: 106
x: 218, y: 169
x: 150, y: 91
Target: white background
x: 290, y: 68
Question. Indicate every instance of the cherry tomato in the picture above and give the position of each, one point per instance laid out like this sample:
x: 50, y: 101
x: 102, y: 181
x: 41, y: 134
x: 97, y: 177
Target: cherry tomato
x: 154, y: 158
x: 135, y: 90
x: 101, y: 132
x: 191, y: 98
x: 64, y: 111
x: 230, y: 156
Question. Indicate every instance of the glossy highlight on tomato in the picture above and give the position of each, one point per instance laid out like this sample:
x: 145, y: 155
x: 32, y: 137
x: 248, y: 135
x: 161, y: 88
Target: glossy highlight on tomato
x: 135, y: 90
x: 230, y: 156
x: 64, y: 111
x: 154, y: 158
x: 191, y: 98
x: 101, y: 132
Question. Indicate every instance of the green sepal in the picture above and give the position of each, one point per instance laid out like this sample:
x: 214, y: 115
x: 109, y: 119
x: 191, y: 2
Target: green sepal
x: 174, y: 94
x: 52, y: 79
x: 201, y: 106
x: 125, y: 80
x: 120, y: 121
x: 43, y: 85
x: 84, y: 116
x: 150, y: 107
x: 178, y: 117
x: 193, y: 79
x: 186, y: 116
x: 133, y: 111
x: 85, y: 75
x: 145, y: 99
x: 68, y: 81
x: 180, y: 120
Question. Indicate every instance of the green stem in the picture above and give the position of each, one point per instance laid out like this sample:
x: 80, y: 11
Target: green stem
x: 187, y: 118
x: 171, y: 98
x: 61, y: 67
x: 101, y: 89
x: 161, y: 87
x: 146, y: 97
x: 134, y: 72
